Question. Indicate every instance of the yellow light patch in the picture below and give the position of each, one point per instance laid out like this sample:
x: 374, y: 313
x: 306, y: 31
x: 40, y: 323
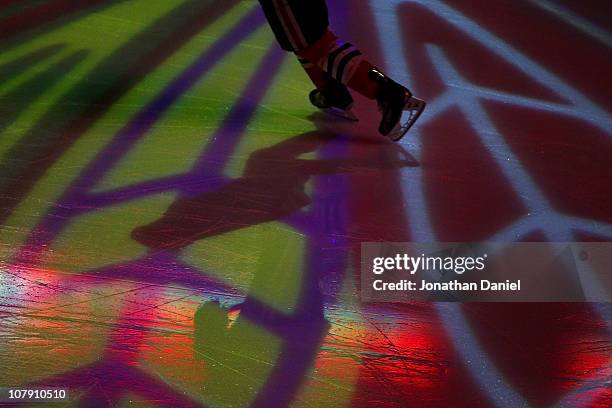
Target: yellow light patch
x: 264, y: 261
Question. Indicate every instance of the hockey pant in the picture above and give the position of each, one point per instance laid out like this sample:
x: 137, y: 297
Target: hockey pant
x: 302, y: 27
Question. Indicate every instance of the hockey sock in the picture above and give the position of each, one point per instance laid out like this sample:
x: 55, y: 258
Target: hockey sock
x: 318, y: 77
x: 361, y: 82
x: 343, y: 62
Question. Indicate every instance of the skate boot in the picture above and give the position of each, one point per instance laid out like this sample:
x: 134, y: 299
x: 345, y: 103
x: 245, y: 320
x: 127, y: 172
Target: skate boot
x: 400, y: 110
x: 335, y: 99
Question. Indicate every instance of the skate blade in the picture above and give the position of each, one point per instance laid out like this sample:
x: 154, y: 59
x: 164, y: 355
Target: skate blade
x: 341, y: 113
x: 412, y: 111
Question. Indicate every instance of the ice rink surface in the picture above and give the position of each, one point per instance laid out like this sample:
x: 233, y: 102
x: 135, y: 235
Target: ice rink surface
x: 180, y: 228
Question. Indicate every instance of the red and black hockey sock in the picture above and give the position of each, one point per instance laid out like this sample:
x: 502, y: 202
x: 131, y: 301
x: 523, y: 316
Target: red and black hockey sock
x: 318, y: 77
x: 343, y: 62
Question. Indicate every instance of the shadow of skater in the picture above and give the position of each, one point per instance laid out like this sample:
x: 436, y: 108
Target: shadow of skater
x: 261, y: 362
x: 271, y: 188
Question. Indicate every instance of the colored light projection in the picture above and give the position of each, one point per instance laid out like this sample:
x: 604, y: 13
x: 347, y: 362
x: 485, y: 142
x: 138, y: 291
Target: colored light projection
x: 179, y: 228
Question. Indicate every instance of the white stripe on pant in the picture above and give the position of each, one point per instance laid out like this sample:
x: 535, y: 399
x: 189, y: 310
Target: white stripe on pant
x: 290, y: 24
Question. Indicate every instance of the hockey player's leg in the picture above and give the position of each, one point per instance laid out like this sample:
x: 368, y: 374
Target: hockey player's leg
x: 343, y: 62
x: 330, y: 96
x: 302, y: 27
x: 296, y: 25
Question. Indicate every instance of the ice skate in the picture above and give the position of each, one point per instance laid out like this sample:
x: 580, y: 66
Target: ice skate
x: 334, y: 100
x: 400, y: 110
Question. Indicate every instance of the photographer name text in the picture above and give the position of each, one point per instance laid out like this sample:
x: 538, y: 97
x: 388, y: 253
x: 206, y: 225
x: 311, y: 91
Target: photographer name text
x: 483, y: 285
x: 411, y: 265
